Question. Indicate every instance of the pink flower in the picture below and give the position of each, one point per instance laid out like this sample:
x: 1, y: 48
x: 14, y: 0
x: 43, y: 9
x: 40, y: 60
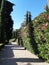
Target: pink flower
x: 46, y: 24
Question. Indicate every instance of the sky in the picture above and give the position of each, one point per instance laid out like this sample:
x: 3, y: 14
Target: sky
x: 22, y: 6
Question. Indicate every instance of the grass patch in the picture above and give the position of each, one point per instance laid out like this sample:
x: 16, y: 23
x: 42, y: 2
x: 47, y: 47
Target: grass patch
x: 12, y: 40
x: 1, y: 46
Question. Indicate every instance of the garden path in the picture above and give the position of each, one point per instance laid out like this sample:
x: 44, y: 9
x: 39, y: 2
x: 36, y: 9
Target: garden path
x: 13, y: 54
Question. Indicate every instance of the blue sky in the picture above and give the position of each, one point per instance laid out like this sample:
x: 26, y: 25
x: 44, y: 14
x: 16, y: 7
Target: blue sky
x: 20, y: 8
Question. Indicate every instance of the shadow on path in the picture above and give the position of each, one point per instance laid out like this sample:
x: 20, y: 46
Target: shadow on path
x: 24, y: 60
x: 6, y: 53
x: 7, y: 56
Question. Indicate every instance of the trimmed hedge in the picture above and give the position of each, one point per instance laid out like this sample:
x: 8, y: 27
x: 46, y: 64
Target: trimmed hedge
x: 41, y: 34
x: 35, y: 36
x: 26, y: 38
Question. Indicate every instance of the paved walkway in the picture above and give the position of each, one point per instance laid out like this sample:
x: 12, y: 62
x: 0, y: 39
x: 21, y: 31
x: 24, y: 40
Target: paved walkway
x: 13, y: 54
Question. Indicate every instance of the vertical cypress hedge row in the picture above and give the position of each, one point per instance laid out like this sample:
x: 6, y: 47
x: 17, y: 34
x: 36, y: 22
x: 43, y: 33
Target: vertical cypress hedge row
x: 6, y: 23
x: 2, y: 20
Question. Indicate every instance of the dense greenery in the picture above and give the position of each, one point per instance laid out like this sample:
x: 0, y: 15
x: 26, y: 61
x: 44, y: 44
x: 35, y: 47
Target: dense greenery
x: 6, y: 23
x: 41, y: 33
x: 8, y: 20
x: 1, y: 21
x: 35, y: 35
x: 15, y: 34
x: 28, y: 17
x: 26, y: 33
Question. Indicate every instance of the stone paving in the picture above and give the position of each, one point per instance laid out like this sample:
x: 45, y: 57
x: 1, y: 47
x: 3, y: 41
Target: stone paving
x: 13, y: 54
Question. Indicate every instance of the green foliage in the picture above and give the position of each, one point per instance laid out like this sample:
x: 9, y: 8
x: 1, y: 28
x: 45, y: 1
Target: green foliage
x: 41, y: 33
x: 2, y: 20
x: 15, y: 34
x: 47, y: 9
x: 28, y: 17
x: 25, y: 34
x: 36, y: 38
x: 6, y: 23
x: 26, y: 40
x: 35, y: 35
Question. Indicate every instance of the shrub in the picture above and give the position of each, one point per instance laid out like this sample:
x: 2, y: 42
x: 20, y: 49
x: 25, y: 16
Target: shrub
x: 41, y: 34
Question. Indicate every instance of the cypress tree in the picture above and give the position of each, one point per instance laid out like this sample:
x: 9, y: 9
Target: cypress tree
x: 6, y: 23
x: 2, y: 4
x: 8, y: 20
x: 27, y: 18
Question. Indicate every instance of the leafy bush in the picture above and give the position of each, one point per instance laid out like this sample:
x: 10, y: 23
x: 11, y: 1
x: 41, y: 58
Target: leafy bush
x: 26, y: 39
x: 36, y: 37
x: 41, y: 34
x: 38, y: 40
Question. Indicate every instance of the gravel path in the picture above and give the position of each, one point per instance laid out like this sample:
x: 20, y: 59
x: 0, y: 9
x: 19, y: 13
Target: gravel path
x: 13, y: 54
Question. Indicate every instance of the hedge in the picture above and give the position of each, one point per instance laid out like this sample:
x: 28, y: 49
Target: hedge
x: 41, y: 34
x: 38, y: 41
